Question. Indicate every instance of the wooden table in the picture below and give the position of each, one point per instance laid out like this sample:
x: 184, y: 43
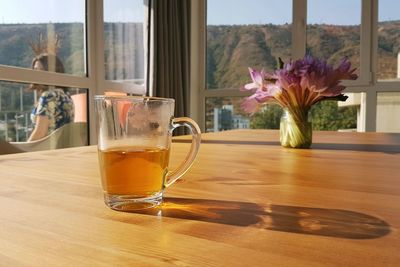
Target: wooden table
x: 246, y: 202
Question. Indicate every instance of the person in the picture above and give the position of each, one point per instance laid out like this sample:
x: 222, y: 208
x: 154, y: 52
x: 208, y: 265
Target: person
x: 54, y: 107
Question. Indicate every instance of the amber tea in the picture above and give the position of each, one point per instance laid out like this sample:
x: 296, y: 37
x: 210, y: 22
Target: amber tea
x: 134, y: 140
x: 134, y: 171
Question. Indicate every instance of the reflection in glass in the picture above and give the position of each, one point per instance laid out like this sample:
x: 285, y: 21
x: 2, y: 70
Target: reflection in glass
x: 63, y: 19
x: 388, y: 40
x: 17, y: 103
x: 333, y: 30
x: 388, y: 112
x: 251, y: 33
x: 124, y: 40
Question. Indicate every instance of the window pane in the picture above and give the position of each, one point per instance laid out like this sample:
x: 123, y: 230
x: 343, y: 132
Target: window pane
x: 388, y: 40
x: 26, y: 21
x: 17, y: 103
x: 333, y: 30
x: 245, y: 33
x: 388, y: 112
x: 124, y: 40
x: 224, y: 113
x: 337, y: 116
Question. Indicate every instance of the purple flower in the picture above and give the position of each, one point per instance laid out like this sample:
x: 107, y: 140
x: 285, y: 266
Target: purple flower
x: 298, y: 84
x: 258, y: 78
x: 263, y: 91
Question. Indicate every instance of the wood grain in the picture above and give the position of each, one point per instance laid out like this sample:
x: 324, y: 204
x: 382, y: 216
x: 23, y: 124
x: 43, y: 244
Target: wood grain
x: 246, y: 202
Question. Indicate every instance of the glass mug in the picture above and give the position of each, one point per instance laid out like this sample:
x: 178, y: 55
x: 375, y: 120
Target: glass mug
x: 134, y: 140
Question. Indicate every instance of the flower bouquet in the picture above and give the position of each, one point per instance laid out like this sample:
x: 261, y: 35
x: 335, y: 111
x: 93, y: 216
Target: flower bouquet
x: 296, y: 86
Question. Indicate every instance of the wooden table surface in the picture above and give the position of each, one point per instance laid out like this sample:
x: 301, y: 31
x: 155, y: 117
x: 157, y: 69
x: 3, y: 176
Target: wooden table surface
x: 246, y: 202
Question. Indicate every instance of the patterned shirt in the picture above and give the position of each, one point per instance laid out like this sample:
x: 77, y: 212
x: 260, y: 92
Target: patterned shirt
x: 57, y: 106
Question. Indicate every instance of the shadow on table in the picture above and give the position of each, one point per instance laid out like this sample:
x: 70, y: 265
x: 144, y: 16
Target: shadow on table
x: 389, y: 149
x: 292, y: 219
x: 232, y: 142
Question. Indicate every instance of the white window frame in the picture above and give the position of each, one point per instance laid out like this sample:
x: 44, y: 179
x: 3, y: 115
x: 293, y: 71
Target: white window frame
x: 95, y: 80
x: 367, y: 83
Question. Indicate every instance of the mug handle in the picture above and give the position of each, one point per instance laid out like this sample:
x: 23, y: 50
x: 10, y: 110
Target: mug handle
x: 174, y: 175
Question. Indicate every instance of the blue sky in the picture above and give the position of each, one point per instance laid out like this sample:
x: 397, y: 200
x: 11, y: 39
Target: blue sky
x: 44, y: 11
x: 340, y: 12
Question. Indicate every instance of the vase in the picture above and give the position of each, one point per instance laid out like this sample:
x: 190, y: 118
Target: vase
x: 295, y: 129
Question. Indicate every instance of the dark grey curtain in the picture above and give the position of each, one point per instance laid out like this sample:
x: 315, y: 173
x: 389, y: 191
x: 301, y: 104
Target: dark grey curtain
x: 171, y: 52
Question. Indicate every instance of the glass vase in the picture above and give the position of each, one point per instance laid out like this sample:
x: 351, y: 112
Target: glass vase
x: 295, y: 129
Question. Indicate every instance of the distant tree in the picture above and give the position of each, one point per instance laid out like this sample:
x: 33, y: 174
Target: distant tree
x: 268, y: 118
x: 327, y: 115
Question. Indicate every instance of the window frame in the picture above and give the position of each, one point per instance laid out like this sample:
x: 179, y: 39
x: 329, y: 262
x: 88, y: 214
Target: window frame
x: 94, y: 81
x: 367, y: 83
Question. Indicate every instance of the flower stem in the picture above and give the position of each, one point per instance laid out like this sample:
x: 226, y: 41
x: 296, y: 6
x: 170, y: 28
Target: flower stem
x: 295, y: 129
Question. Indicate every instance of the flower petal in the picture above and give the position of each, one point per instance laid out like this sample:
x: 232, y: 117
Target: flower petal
x: 249, y: 105
x: 250, y: 86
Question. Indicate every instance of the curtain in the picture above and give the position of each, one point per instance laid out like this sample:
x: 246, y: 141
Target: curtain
x: 170, y: 52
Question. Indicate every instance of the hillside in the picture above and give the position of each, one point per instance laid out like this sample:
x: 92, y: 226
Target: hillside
x: 15, y: 49
x: 123, y: 47
x: 231, y: 49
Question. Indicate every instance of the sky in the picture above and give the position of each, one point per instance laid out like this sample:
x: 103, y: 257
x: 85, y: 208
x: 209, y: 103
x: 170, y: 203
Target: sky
x: 44, y: 11
x: 339, y: 12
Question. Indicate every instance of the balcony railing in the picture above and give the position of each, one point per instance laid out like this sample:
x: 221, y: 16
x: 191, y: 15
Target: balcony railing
x: 15, y: 125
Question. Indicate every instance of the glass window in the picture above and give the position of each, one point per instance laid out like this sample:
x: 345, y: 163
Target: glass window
x: 224, y: 113
x: 331, y: 115
x: 124, y: 52
x: 15, y: 108
x: 333, y: 30
x: 245, y: 33
x: 388, y: 112
x: 17, y: 102
x: 388, y: 40
x: 29, y: 28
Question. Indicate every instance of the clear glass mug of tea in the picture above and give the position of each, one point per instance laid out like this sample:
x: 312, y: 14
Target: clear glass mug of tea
x: 134, y: 141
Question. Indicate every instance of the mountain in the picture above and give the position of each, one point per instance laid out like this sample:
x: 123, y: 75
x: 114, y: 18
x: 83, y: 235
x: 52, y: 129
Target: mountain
x: 123, y: 47
x: 15, y: 49
x: 232, y: 49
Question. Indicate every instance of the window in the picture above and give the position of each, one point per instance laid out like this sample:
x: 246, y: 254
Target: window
x: 125, y: 27
x: 124, y: 54
x: 388, y: 67
x: 223, y: 113
x: 101, y: 45
x: 16, y: 102
x: 60, y: 30
x: 241, y: 34
x: 388, y: 40
x: 238, y: 35
x: 59, y: 27
x: 388, y: 112
x: 333, y: 30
